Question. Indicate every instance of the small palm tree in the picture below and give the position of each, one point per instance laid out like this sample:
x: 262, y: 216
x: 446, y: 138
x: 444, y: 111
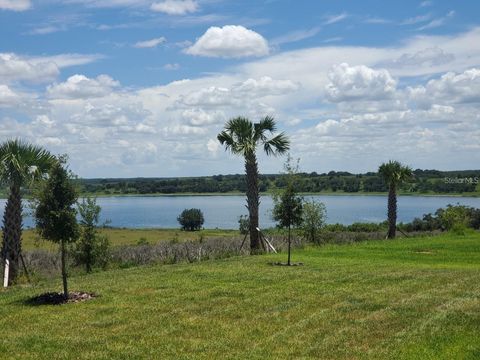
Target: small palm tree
x: 394, y: 173
x: 20, y: 164
x: 242, y: 137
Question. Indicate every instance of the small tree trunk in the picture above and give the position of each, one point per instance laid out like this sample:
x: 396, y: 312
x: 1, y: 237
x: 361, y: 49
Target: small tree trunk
x: 64, y: 271
x: 392, y: 211
x: 253, y: 200
x: 289, y: 245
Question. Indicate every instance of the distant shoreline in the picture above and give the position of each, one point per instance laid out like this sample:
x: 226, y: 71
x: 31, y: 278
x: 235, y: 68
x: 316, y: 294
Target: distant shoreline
x: 270, y: 193
x: 330, y: 193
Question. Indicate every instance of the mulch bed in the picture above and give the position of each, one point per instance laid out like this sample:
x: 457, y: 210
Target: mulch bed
x: 285, y: 264
x: 55, y: 298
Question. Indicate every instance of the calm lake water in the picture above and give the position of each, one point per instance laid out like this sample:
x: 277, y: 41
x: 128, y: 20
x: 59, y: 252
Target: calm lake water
x: 223, y: 211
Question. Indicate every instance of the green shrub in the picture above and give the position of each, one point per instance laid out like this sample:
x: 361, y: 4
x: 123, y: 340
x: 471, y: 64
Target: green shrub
x: 191, y: 219
x: 453, y: 216
x: 244, y: 224
x: 313, y: 220
x: 143, y: 241
x: 93, y: 248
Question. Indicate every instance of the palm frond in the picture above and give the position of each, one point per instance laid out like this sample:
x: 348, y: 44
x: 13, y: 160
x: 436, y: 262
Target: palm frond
x: 21, y: 161
x: 277, y: 145
x: 393, y: 172
x: 241, y: 136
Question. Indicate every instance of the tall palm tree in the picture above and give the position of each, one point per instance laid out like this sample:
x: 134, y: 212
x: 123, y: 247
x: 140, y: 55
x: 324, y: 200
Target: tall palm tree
x: 20, y: 164
x: 394, y: 173
x: 241, y: 137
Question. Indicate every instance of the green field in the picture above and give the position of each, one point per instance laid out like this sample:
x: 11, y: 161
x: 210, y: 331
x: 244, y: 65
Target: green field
x: 402, y: 299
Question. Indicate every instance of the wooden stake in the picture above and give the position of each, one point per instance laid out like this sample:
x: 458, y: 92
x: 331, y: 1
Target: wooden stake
x: 6, y: 273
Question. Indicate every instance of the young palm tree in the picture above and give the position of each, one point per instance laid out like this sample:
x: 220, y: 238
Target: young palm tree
x: 241, y: 137
x: 394, y: 173
x: 20, y: 164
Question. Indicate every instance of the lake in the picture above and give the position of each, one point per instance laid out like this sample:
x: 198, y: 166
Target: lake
x: 223, y: 211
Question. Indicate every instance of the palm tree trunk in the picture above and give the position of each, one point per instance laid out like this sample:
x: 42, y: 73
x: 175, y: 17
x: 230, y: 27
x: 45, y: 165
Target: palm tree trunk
x: 253, y: 200
x: 392, y: 211
x: 64, y: 271
x: 12, y: 231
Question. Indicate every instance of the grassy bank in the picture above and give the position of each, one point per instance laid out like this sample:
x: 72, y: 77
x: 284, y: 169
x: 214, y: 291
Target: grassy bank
x: 122, y: 236
x: 402, y: 299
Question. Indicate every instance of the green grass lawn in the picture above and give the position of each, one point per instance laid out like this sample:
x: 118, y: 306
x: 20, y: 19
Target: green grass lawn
x: 403, y: 299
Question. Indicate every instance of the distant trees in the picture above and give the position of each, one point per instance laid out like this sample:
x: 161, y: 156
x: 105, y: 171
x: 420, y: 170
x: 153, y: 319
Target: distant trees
x: 426, y: 181
x: 21, y: 164
x: 393, y: 173
x: 92, y: 247
x: 55, y: 214
x: 191, y: 219
x: 242, y: 137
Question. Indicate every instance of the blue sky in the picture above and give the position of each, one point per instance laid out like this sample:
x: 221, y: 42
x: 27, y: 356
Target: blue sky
x: 141, y: 88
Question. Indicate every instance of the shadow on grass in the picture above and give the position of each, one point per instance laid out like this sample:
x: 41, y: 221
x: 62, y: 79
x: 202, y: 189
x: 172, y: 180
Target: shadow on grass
x: 55, y: 298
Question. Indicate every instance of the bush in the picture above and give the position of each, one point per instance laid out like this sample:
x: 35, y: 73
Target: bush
x: 357, y: 227
x: 367, y: 227
x: 453, y: 216
x: 93, y: 248
x: 244, y: 224
x: 458, y: 217
x: 191, y: 219
x: 313, y: 220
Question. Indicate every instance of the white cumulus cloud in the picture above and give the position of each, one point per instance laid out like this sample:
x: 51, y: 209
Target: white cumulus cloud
x: 14, y: 67
x: 230, y: 41
x: 200, y: 117
x: 450, y: 88
x: 7, y: 96
x: 359, y: 83
x: 175, y: 7
x: 82, y: 87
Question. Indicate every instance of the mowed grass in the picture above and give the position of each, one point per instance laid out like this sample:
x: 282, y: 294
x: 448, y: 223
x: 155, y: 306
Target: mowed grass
x: 403, y: 299
x: 122, y: 236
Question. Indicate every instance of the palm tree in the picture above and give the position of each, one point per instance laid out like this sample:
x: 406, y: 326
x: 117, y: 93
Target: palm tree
x: 394, y: 173
x: 241, y: 137
x: 20, y: 163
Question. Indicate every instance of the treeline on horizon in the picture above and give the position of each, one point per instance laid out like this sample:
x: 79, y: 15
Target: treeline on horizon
x: 424, y: 181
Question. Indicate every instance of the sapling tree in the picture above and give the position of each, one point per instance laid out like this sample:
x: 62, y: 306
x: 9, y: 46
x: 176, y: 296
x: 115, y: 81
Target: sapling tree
x: 313, y: 220
x: 288, y: 205
x: 55, y: 214
x: 92, y: 247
